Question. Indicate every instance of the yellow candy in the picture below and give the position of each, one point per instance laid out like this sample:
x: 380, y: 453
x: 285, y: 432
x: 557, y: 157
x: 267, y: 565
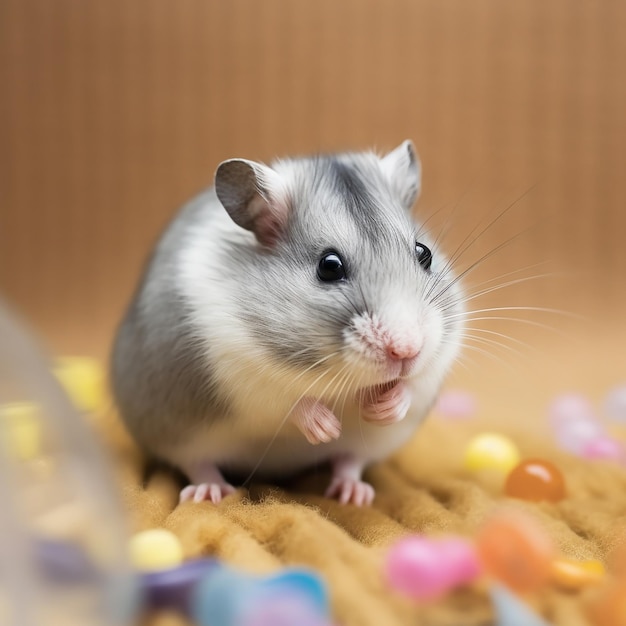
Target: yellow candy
x: 155, y: 550
x: 491, y: 451
x: 84, y: 381
x: 20, y: 423
x: 573, y: 575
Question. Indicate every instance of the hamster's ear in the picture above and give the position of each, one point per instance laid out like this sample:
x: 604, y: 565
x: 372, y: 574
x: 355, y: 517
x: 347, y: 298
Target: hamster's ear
x: 254, y: 196
x: 404, y: 172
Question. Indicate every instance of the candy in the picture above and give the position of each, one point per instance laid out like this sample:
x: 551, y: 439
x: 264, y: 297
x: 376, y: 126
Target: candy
x: 456, y: 404
x: 603, y: 448
x: 574, y: 435
x: 173, y: 588
x: 515, y: 551
x: 83, y: 380
x: 535, y: 480
x: 491, y: 451
x: 21, y: 424
x: 609, y: 607
x: 573, y: 575
x: 461, y: 559
x: 425, y: 569
x: 615, y: 403
x: 570, y: 406
x: 230, y: 598
x: 154, y: 550
x: 510, y: 611
x: 64, y: 562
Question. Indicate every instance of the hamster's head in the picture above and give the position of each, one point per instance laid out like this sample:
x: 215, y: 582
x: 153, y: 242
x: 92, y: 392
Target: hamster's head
x: 343, y: 284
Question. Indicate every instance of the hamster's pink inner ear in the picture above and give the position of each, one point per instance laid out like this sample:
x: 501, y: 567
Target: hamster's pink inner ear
x: 255, y: 197
x: 403, y: 171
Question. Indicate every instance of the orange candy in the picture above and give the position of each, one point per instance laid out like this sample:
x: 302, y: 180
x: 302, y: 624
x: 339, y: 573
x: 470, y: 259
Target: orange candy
x: 573, y: 575
x: 535, y: 480
x: 515, y: 551
x: 609, y: 608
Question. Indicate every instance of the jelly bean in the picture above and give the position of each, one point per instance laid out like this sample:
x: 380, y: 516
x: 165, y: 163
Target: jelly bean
x: 282, y: 610
x: 461, y: 559
x: 609, y: 607
x: 83, y: 380
x: 615, y: 404
x: 172, y: 588
x: 570, y: 406
x: 573, y: 575
x: 414, y: 568
x: 515, y: 551
x: 573, y: 435
x: 510, y: 611
x: 603, y: 448
x: 64, y: 561
x: 491, y: 451
x: 456, y: 404
x: 229, y: 598
x: 155, y: 549
x: 535, y: 480
x: 21, y: 421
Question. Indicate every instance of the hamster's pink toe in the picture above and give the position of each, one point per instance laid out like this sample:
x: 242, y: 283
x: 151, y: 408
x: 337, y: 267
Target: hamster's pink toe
x: 351, y: 491
x: 212, y: 492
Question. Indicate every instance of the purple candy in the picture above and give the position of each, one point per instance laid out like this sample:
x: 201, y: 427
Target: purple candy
x: 615, y: 403
x: 64, y: 562
x: 574, y: 435
x: 603, y: 448
x: 456, y: 404
x: 570, y: 406
x: 282, y: 609
x: 172, y: 588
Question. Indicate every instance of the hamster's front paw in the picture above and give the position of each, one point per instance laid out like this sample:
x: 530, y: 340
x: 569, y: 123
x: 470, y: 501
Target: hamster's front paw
x: 213, y: 492
x: 316, y: 421
x: 388, y: 407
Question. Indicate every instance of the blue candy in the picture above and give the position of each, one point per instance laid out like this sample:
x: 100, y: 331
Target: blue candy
x: 230, y: 598
x: 510, y: 611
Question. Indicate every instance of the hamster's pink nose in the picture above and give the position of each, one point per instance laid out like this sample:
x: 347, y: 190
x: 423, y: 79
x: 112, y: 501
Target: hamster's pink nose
x: 398, y: 351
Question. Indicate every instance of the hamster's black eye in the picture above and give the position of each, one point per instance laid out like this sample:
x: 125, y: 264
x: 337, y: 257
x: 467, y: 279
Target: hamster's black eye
x: 424, y: 255
x: 331, y: 267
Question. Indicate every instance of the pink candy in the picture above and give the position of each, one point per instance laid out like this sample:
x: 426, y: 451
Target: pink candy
x: 456, y: 404
x: 425, y: 569
x: 603, y: 448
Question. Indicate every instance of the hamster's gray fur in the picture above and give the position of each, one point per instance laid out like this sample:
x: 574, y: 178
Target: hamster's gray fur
x: 235, y: 354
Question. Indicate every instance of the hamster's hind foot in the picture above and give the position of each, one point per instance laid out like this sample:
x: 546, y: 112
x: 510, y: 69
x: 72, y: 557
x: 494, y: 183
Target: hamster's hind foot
x: 346, y: 484
x: 207, y: 484
x: 212, y: 492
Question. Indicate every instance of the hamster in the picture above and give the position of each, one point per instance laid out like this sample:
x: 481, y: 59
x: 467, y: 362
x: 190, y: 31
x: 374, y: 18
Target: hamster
x: 292, y: 315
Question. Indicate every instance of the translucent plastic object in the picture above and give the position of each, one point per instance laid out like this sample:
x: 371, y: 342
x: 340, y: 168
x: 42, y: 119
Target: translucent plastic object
x: 63, y: 540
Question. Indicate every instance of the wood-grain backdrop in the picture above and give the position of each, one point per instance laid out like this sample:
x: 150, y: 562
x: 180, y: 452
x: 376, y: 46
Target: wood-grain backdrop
x: 114, y: 112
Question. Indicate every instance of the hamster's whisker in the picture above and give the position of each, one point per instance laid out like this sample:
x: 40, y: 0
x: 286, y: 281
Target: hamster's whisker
x: 535, y: 309
x: 494, y: 333
x: 492, y: 343
x: 491, y: 355
x: 472, y: 267
x: 509, y: 283
x: 463, y: 248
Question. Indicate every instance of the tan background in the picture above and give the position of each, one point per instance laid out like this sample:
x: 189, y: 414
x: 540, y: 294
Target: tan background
x: 114, y: 112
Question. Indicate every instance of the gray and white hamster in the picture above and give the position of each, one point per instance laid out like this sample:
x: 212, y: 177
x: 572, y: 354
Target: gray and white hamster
x: 292, y: 315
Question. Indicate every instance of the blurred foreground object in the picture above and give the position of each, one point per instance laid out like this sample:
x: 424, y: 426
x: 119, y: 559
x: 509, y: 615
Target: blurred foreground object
x: 63, y: 542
